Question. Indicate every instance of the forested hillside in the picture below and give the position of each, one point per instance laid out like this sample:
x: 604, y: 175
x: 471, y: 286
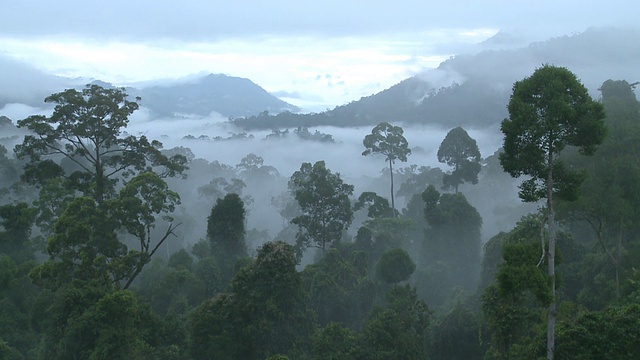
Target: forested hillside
x: 113, y: 247
x: 476, y: 87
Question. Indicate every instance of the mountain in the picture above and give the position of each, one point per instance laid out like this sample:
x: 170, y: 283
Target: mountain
x: 24, y: 84
x: 479, y: 85
x: 226, y: 95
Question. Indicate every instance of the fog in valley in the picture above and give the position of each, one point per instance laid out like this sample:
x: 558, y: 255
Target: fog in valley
x: 343, y: 155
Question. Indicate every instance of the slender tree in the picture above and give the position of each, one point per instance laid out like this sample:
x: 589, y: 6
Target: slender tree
x: 460, y: 151
x: 387, y: 140
x: 548, y: 111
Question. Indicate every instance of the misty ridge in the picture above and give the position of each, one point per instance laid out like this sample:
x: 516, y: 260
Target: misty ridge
x: 230, y: 192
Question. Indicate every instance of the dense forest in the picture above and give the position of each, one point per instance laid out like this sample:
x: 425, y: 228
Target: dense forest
x: 103, y: 256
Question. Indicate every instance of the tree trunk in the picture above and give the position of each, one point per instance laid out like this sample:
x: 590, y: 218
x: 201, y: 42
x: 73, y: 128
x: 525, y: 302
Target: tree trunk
x: 551, y: 254
x: 393, y: 204
x: 618, y: 259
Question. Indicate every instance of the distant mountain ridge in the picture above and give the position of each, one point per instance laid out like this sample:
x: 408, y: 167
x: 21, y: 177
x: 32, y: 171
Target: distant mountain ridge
x: 476, y: 94
x: 480, y: 96
x: 214, y: 93
x: 227, y: 95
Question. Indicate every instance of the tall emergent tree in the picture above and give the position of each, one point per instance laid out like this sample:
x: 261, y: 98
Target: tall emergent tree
x: 387, y: 140
x: 548, y: 111
x: 460, y: 151
x: 81, y: 148
x: 324, y: 201
x: 226, y: 233
x: 86, y: 128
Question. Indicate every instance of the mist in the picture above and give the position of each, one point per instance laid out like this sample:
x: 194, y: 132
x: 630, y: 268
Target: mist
x: 344, y: 155
x: 220, y: 146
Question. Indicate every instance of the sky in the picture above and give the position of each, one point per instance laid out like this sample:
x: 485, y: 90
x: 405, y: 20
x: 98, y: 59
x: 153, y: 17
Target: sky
x: 315, y: 55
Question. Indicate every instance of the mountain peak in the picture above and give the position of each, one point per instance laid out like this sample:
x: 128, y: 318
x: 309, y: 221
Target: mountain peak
x: 227, y: 95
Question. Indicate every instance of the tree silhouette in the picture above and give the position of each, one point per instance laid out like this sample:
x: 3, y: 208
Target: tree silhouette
x: 387, y: 140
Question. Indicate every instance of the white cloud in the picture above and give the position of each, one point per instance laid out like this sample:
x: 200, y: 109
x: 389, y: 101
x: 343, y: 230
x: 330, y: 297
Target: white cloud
x: 282, y: 45
x: 355, y: 67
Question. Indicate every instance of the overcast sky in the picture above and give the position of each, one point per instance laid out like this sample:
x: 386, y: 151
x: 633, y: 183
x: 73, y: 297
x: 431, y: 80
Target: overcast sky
x: 322, y: 53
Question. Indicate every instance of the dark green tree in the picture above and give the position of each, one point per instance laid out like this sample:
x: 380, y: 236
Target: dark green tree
x: 324, y: 201
x: 613, y: 333
x: 399, y: 330
x: 387, y: 140
x: 90, y: 324
x: 395, y: 266
x: 144, y: 199
x: 549, y: 111
x: 265, y: 313
x: 453, y: 236
x: 514, y: 303
x: 15, y: 241
x: 86, y: 135
x: 334, y: 342
x: 461, y: 152
x: 377, y: 206
x: 85, y: 246
x: 458, y: 334
x: 86, y: 128
x: 608, y: 206
x: 226, y: 233
x: 17, y: 292
x: 338, y: 288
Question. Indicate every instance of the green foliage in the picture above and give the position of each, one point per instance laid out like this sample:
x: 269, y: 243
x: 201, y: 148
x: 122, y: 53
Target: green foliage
x: 218, y: 187
x: 91, y: 324
x: 338, y: 288
x: 278, y: 357
x: 212, y: 330
x: 83, y: 247
x: 84, y: 321
x: 491, y: 260
x: 606, y: 212
x: 399, y: 330
x: 458, y: 335
x: 324, y: 201
x: 15, y: 329
x: 226, y: 234
x: 17, y: 220
x: 265, y: 313
x: 416, y: 178
x: 85, y: 131
x: 461, y: 152
x: 225, y: 227
x: 85, y: 128
x: 336, y: 342
x: 549, y: 111
x: 378, y: 207
x: 515, y: 304
x: 171, y: 288
x: 386, y: 139
x: 610, y: 334
x: 395, y: 266
x: 453, y: 236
